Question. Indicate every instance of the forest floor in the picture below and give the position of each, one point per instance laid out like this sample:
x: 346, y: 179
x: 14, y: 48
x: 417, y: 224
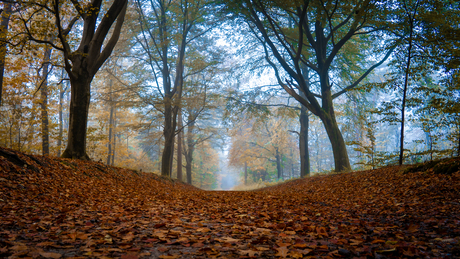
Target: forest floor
x: 60, y: 208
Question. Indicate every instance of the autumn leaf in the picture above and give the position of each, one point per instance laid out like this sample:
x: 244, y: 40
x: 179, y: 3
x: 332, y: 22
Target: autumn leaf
x: 227, y: 240
x: 282, y: 251
x: 295, y: 254
x: 50, y: 255
x: 203, y: 230
x: 250, y: 253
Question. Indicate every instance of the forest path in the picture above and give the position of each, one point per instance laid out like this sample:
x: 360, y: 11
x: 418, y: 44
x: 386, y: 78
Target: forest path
x: 53, y: 208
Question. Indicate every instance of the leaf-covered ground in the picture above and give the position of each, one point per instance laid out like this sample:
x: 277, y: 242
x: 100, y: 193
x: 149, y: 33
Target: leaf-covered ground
x: 58, y: 208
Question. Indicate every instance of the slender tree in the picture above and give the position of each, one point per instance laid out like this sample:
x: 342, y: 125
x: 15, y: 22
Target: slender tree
x: 43, y: 85
x: 411, y: 16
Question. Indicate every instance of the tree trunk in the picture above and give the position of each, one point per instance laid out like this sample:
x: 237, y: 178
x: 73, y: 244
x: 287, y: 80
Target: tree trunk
x: 78, y: 118
x: 304, y: 128
x: 458, y: 140
x: 168, y: 133
x: 406, y: 82
x: 303, y: 143
x: 179, y: 147
x: 110, y: 152
x: 5, y: 20
x: 339, y: 149
x: 114, y: 137
x: 245, y: 173
x: 189, y: 153
x: 44, y: 101
x: 278, y: 163
x: 171, y: 158
x: 62, y: 90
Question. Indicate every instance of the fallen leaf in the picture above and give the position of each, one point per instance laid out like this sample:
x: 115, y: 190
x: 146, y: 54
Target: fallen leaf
x: 50, y: 255
x: 282, y: 251
x: 204, y: 230
x: 250, y: 253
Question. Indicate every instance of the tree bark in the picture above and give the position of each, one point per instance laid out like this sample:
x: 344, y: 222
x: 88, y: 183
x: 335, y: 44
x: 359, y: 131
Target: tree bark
x: 5, y: 20
x: 339, y: 149
x: 168, y: 133
x: 44, y: 101
x: 179, y: 147
x: 304, y: 129
x: 189, y: 152
x: 62, y: 90
x: 112, y: 162
x: 110, y: 152
x: 78, y: 118
x: 303, y: 143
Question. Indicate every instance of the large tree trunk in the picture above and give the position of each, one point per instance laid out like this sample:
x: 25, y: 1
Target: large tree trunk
x: 339, y: 149
x: 5, y: 20
x: 44, y: 101
x: 168, y: 133
x: 78, y: 118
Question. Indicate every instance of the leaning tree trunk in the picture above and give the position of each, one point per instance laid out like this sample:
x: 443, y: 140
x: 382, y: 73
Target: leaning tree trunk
x: 339, y: 149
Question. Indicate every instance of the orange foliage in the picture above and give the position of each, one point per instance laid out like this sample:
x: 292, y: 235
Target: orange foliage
x: 56, y: 208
